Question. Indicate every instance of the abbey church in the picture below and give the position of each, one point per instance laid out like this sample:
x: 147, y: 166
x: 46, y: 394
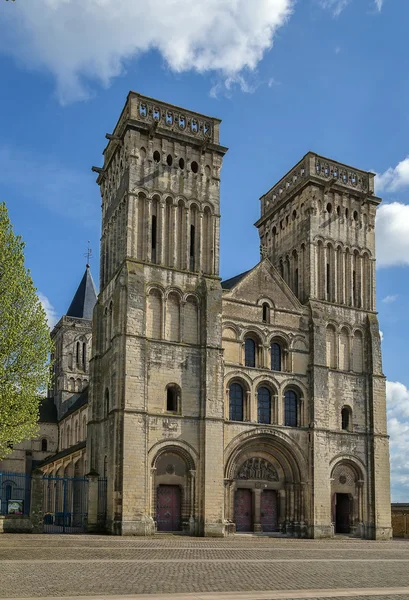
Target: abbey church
x: 255, y: 404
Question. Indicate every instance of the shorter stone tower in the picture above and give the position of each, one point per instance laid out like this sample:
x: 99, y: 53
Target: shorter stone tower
x: 72, y: 346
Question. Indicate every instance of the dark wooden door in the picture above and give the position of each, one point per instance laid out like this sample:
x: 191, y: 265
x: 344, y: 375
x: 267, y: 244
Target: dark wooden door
x: 168, y: 516
x: 268, y: 510
x: 243, y: 509
x: 342, y: 513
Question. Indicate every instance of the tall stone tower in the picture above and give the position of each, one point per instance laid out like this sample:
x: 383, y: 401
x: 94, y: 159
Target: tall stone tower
x: 72, y: 346
x: 156, y: 392
x: 317, y: 226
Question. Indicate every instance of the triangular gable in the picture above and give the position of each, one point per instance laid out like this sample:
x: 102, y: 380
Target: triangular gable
x: 264, y: 281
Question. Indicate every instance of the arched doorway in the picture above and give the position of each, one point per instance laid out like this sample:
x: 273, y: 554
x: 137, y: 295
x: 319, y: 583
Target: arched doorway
x: 346, y: 498
x: 173, y: 491
x: 263, y: 487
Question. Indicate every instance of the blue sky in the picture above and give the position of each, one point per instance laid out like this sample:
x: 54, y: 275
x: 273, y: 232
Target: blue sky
x: 285, y: 77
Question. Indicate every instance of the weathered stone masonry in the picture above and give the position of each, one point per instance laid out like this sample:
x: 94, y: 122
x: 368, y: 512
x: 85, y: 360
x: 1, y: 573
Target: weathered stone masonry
x: 256, y: 403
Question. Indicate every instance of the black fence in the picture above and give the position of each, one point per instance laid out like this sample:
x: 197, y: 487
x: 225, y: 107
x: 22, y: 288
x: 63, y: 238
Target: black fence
x: 15, y: 491
x: 65, y: 504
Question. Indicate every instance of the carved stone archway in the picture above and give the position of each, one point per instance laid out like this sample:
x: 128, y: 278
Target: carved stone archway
x: 267, y: 466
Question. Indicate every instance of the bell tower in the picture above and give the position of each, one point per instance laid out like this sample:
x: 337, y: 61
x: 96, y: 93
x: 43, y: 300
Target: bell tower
x: 317, y: 226
x: 157, y: 371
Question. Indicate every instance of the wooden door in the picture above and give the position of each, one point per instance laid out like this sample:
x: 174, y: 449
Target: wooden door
x: 168, y: 508
x: 342, y: 513
x: 243, y: 509
x: 268, y: 510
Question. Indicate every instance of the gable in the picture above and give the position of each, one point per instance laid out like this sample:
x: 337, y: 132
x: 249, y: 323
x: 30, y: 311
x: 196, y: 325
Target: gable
x: 263, y: 281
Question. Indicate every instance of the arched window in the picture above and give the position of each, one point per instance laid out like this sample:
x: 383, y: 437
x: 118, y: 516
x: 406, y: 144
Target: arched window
x: 290, y: 409
x: 106, y: 403
x: 250, y: 353
x: 78, y: 354
x: 84, y: 355
x: 266, y: 313
x: 236, y: 402
x: 44, y: 445
x: 275, y: 357
x: 68, y: 437
x: 8, y: 491
x: 172, y: 398
x: 346, y: 418
x: 263, y: 405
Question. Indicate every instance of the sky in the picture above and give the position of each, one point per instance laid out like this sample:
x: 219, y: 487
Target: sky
x: 284, y: 76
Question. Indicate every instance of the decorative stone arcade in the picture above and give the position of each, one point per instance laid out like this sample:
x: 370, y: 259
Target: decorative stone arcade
x: 263, y: 487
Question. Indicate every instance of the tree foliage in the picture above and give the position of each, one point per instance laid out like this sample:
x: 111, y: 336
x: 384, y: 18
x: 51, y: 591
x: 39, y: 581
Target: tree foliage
x: 25, y: 342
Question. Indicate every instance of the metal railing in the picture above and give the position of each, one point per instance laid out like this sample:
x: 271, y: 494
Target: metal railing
x: 15, y: 489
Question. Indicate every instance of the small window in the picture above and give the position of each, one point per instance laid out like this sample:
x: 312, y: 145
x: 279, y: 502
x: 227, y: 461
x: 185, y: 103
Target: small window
x: 275, y: 357
x: 172, y: 399
x: 328, y: 281
x: 290, y: 409
x: 169, y: 160
x: 44, y: 445
x: 250, y: 353
x: 156, y: 156
x: 153, y: 230
x: 106, y: 407
x: 236, y: 409
x: 78, y: 353
x: 192, y: 248
x: 194, y: 166
x: 355, y: 215
x: 345, y: 419
x: 84, y: 355
x: 264, y: 405
x: 266, y: 313
x: 181, y: 163
x: 329, y: 208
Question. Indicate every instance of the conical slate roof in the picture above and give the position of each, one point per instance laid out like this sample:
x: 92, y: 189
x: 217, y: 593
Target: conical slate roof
x: 85, y: 298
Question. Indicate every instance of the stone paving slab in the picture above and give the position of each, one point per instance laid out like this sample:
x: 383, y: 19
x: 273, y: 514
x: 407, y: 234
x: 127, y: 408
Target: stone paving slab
x: 57, y: 566
x: 387, y: 594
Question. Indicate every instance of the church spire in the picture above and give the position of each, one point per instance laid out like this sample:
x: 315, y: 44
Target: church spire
x: 85, y: 297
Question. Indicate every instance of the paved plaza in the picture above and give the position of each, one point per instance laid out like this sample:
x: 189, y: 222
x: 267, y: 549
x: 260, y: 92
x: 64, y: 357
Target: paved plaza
x: 243, y: 567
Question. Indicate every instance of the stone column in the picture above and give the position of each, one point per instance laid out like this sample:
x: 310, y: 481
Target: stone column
x: 257, y: 510
x: 148, y: 232
x: 176, y: 238
x: 280, y: 410
x: 36, y: 502
x: 200, y: 259
x: 249, y: 408
x: 187, y: 238
x: 192, y: 508
x: 161, y: 237
x: 92, y: 524
x: 216, y: 236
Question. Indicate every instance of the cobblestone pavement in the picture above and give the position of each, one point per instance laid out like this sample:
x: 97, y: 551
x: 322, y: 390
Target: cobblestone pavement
x: 36, y: 566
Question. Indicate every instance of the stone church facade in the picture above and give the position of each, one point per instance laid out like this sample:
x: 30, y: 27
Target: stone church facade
x: 255, y: 404
x: 258, y: 402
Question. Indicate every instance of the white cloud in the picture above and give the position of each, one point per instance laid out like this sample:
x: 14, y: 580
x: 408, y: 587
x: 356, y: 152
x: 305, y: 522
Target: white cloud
x: 397, y: 397
x: 337, y: 6
x: 49, y: 309
x: 80, y: 41
x: 390, y: 299
x: 381, y: 335
x: 394, y: 178
x: 392, y: 234
x: 63, y: 190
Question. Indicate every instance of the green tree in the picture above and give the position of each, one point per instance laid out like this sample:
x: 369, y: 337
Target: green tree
x: 25, y: 343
